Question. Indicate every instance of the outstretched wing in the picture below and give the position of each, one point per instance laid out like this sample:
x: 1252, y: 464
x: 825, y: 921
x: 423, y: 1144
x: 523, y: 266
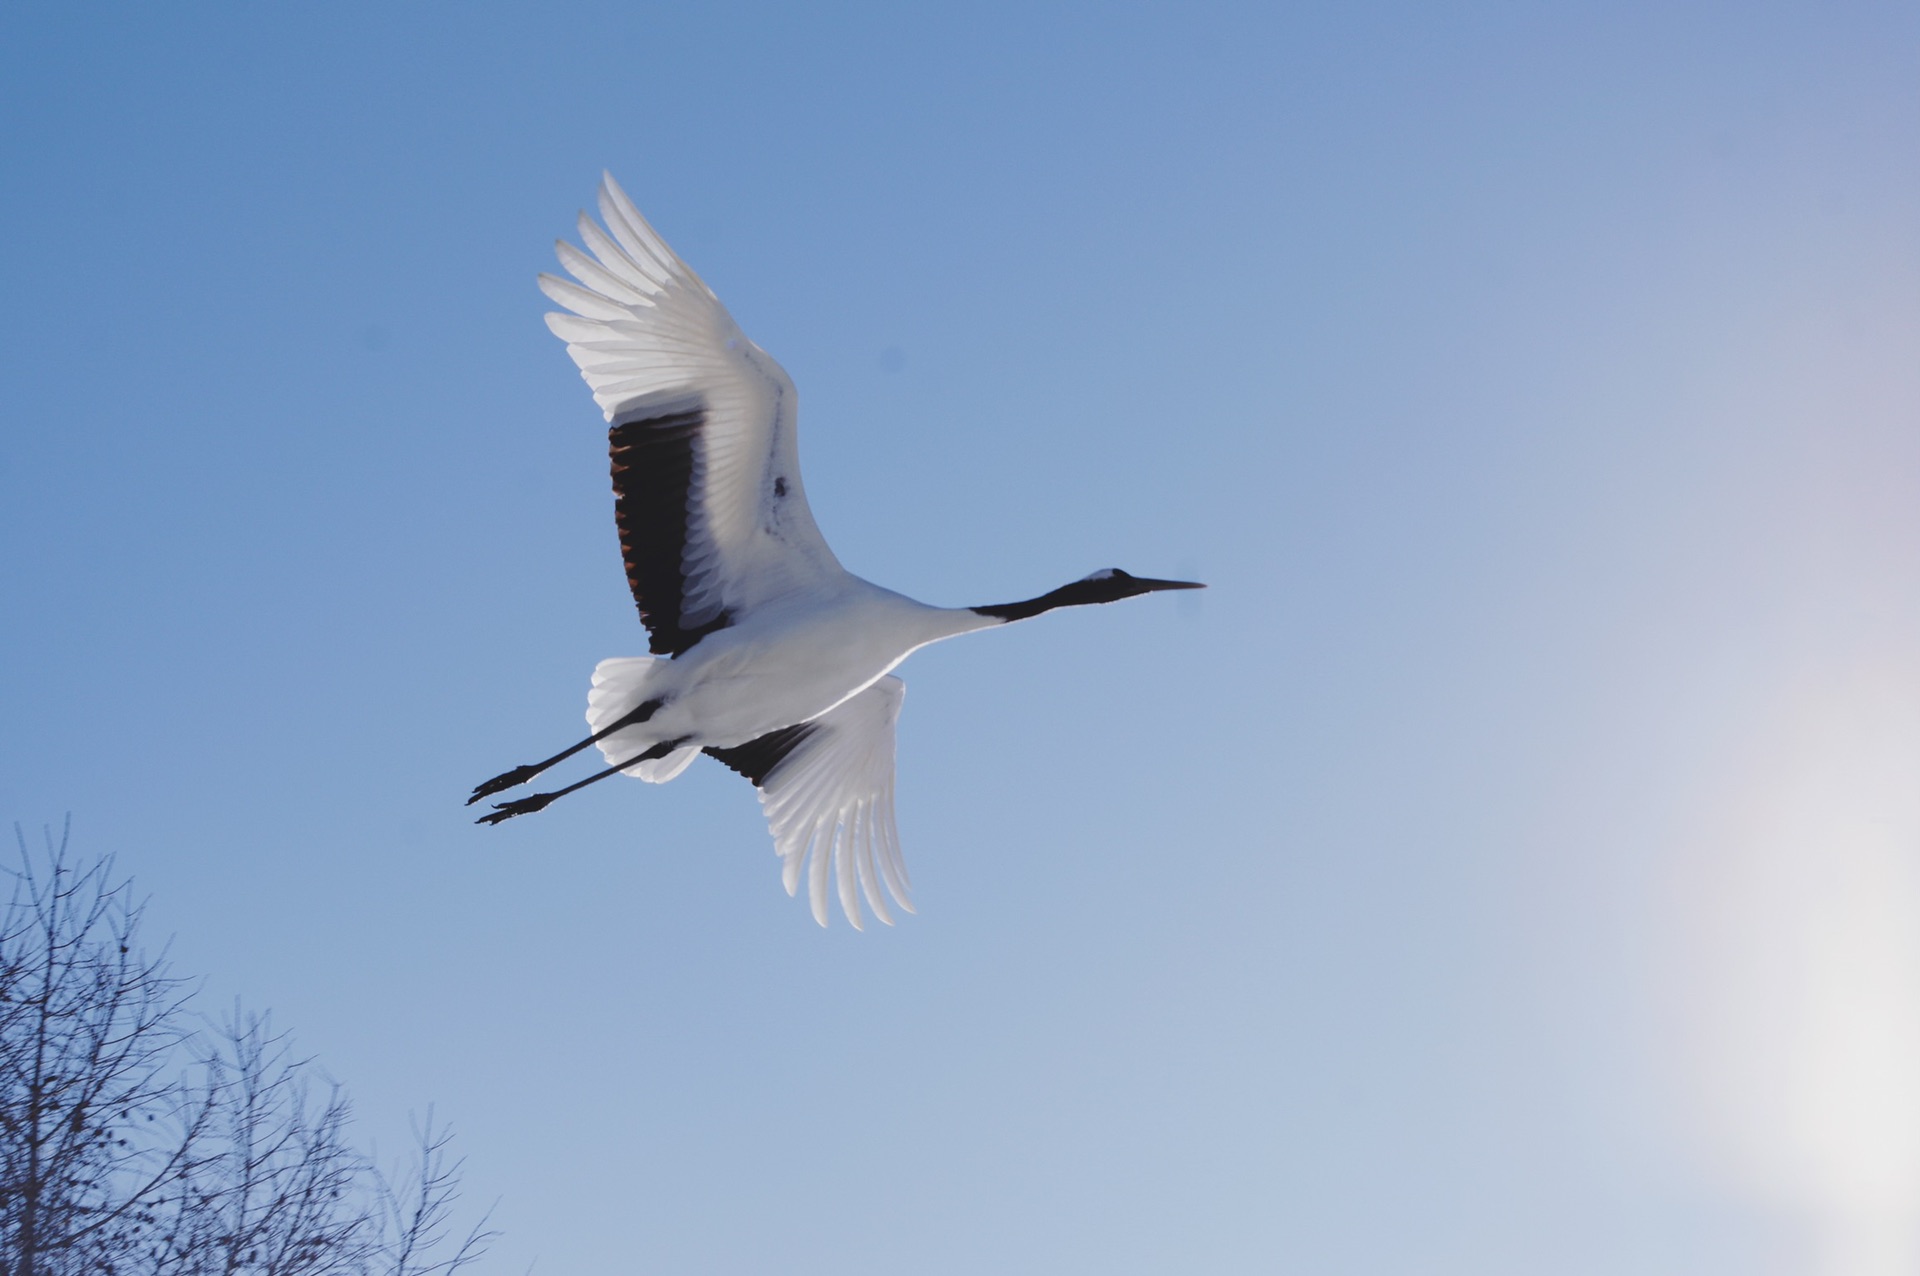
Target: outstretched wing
x: 706, y: 464
x: 826, y: 786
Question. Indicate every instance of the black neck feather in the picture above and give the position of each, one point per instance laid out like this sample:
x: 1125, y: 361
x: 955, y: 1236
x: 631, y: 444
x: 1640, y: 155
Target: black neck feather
x: 1094, y: 589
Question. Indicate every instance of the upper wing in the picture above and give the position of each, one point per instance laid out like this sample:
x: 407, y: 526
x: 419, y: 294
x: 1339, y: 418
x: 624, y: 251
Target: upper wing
x: 706, y: 466
x: 826, y: 786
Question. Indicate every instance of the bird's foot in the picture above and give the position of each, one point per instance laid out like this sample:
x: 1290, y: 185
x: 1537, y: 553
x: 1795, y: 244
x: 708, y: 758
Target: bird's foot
x: 520, y: 806
x: 504, y: 781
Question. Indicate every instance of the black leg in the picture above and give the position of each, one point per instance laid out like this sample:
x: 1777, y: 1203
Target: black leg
x: 528, y: 805
x: 521, y: 774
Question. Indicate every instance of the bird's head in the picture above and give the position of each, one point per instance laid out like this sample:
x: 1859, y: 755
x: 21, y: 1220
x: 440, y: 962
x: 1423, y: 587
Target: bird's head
x: 1110, y: 584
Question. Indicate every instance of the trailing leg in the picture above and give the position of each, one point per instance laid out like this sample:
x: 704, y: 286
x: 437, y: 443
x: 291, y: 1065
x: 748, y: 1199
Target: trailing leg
x: 528, y: 805
x: 521, y: 774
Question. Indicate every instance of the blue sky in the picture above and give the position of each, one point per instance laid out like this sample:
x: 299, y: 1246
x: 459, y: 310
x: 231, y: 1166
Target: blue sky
x: 1511, y: 864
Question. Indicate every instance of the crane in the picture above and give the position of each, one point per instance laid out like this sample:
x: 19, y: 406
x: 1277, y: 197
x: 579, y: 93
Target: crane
x: 766, y: 654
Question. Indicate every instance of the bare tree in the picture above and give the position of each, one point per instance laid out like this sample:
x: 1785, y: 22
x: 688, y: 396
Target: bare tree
x: 130, y: 1142
x: 418, y: 1212
x: 268, y: 1187
x: 88, y: 1030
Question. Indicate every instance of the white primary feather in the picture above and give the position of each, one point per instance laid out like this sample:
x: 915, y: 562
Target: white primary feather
x: 830, y: 805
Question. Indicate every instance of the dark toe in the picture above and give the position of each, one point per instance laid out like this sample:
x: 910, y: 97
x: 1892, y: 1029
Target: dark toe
x: 504, y: 781
x: 521, y: 806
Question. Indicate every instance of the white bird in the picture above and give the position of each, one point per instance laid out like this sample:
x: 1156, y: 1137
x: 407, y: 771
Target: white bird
x: 767, y: 654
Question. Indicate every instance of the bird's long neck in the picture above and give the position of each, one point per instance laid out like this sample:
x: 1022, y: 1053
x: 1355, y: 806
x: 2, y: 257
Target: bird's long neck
x: 1105, y: 586
x: 1101, y: 587
x: 1027, y: 608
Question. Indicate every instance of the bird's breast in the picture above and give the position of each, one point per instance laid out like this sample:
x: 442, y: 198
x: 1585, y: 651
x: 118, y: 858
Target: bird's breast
x: 757, y: 679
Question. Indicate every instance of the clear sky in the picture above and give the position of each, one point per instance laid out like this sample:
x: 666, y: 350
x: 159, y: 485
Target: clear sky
x: 1510, y: 865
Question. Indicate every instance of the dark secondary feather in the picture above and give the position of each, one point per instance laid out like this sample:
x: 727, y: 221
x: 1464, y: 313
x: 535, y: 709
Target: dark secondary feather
x: 756, y: 758
x: 652, y: 506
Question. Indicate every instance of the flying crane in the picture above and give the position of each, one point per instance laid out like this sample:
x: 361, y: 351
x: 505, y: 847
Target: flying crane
x: 766, y: 653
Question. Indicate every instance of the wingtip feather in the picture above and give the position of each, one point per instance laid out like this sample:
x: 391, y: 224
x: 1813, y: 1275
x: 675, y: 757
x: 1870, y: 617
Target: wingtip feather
x: 633, y: 232
x: 582, y: 301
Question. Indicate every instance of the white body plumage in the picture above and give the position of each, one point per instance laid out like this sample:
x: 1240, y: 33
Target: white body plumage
x: 788, y: 662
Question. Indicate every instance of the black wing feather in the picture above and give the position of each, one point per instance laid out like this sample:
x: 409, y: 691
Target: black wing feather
x: 756, y: 758
x: 652, y: 505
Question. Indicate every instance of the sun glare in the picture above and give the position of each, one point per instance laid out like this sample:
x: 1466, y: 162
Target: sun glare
x: 1804, y: 987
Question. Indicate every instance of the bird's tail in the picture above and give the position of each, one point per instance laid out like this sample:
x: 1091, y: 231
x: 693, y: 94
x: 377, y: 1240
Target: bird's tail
x: 619, y: 685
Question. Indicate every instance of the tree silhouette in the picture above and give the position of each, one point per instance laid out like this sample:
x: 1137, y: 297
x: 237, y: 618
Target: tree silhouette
x: 134, y: 1139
